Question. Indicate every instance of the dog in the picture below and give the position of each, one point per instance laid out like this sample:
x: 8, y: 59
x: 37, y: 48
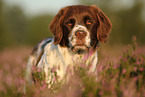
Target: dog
x: 77, y: 31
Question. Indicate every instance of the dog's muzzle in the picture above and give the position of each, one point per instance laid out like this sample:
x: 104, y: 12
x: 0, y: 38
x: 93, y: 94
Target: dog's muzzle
x: 79, y: 39
x: 80, y: 34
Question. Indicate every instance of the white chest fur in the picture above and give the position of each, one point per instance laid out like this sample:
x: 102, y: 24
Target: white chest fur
x: 58, y: 59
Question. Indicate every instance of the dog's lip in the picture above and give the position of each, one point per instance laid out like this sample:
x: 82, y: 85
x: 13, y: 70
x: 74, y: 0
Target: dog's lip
x: 79, y: 44
x: 81, y: 47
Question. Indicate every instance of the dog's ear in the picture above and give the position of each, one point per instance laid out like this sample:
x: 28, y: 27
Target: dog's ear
x: 104, y: 24
x: 56, y: 26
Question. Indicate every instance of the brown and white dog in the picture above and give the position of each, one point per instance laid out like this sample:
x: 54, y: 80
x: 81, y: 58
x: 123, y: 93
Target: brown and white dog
x: 77, y: 31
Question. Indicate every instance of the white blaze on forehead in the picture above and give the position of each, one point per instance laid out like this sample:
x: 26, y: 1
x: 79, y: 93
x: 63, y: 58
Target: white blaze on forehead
x: 73, y: 37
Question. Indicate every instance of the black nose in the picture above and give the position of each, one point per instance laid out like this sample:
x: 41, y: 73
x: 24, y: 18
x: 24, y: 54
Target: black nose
x: 80, y: 34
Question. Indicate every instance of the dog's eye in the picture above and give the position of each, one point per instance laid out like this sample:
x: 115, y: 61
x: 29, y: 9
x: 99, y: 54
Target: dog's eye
x: 71, y: 22
x: 88, y: 22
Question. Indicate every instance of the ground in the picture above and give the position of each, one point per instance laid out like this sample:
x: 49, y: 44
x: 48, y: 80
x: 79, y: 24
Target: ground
x: 112, y: 66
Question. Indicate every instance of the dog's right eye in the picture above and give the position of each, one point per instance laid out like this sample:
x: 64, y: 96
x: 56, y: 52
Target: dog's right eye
x: 71, y: 22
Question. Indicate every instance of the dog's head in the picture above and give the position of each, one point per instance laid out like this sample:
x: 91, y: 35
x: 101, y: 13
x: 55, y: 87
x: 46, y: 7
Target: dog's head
x: 80, y: 27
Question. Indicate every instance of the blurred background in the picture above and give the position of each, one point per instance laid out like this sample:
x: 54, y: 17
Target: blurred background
x: 25, y: 22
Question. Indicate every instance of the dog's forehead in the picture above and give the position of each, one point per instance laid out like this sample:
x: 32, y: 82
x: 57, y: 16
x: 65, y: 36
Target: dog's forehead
x: 78, y: 10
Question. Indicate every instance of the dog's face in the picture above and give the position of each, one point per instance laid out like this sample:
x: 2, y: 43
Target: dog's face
x: 80, y: 27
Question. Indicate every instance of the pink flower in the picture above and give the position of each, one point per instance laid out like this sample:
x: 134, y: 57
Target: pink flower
x: 101, y: 67
x: 103, y: 82
x: 115, y: 67
x: 137, y: 62
x: 124, y: 71
x: 141, y: 69
x: 135, y: 78
x: 83, y: 65
x: 85, y: 57
x: 135, y: 68
x: 34, y: 67
x: 54, y: 69
x: 44, y: 86
x: 100, y: 92
x: 39, y: 70
x: 54, y: 79
x: 91, y: 52
x: 22, y: 81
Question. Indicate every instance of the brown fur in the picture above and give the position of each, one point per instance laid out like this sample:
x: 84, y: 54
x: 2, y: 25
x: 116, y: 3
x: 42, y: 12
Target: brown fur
x: 99, y: 31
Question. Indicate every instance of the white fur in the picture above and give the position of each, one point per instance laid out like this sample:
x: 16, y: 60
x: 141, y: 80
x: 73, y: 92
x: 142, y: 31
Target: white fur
x: 73, y: 38
x: 62, y: 57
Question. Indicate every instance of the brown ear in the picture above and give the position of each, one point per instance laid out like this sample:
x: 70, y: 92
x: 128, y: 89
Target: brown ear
x: 104, y: 25
x: 56, y: 26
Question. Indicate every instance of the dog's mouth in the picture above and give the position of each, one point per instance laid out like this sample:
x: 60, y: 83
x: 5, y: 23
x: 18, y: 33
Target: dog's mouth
x: 79, y: 39
x: 80, y: 48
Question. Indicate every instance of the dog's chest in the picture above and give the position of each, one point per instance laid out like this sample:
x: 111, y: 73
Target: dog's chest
x: 54, y: 55
x: 56, y: 61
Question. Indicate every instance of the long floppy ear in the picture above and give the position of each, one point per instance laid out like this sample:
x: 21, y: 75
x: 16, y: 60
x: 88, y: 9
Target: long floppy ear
x: 104, y: 26
x: 56, y: 26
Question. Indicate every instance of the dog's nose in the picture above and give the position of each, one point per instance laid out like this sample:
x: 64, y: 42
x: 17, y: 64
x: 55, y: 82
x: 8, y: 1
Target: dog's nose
x: 80, y: 34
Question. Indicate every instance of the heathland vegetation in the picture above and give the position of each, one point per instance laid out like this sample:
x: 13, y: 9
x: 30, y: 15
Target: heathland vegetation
x: 121, y: 67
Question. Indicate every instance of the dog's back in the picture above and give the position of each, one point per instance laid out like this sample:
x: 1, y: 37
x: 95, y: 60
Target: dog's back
x: 35, y: 57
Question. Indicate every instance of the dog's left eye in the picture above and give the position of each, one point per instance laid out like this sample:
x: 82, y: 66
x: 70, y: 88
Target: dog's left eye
x: 88, y: 22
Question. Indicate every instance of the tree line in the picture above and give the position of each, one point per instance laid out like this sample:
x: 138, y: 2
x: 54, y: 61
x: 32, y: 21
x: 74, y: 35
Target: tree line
x: 126, y: 22
x: 18, y: 29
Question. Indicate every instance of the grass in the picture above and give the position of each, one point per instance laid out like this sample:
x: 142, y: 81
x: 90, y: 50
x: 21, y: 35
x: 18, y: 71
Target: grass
x: 120, y: 75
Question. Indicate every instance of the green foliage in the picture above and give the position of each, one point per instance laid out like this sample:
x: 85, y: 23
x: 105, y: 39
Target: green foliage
x: 38, y: 28
x: 126, y: 78
x: 15, y: 25
x: 128, y: 23
x: 1, y: 25
x: 17, y: 29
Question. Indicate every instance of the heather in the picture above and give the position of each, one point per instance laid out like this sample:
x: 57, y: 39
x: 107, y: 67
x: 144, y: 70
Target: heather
x: 121, y: 76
